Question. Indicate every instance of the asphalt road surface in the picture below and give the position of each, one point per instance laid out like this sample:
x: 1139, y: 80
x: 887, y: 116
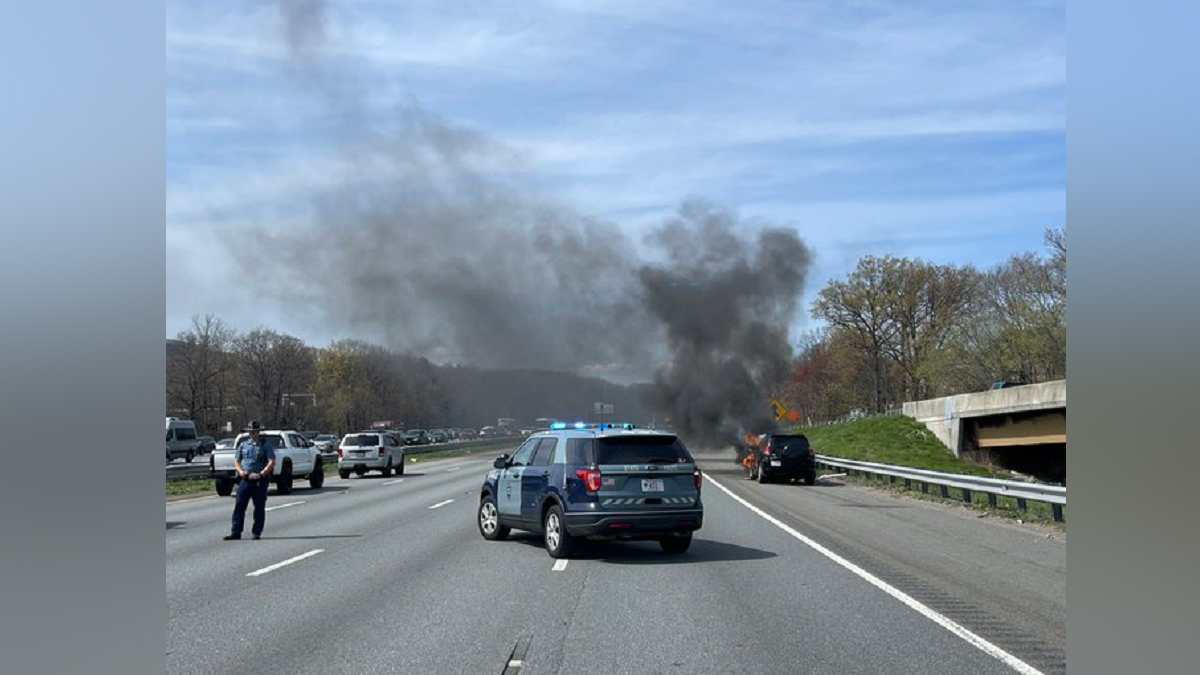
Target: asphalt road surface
x: 390, y: 575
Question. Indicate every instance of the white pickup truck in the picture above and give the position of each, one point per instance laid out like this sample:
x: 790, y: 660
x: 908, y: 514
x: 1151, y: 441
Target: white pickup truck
x: 295, y: 458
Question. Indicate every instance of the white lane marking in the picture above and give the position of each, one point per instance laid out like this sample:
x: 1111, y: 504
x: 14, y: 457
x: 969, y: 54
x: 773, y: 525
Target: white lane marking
x: 289, y: 561
x: 831, y: 475
x: 283, y: 506
x: 560, y: 565
x: 515, y: 663
x: 971, y: 638
x: 393, y: 482
x: 441, y: 503
x: 453, y: 469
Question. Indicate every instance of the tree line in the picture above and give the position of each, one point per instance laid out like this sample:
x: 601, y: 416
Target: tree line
x: 216, y: 375
x: 900, y: 329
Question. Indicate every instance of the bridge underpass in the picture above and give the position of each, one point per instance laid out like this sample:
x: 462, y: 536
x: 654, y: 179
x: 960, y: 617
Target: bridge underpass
x: 1023, y: 428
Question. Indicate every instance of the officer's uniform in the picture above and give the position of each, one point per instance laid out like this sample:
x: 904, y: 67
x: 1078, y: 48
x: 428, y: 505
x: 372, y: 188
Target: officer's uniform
x: 254, y: 457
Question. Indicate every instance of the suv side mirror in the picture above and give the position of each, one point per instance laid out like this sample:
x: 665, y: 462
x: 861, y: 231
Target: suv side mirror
x: 500, y: 462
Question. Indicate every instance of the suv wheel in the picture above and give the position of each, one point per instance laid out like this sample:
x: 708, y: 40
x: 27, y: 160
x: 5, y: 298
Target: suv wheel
x: 811, y: 479
x: 224, y: 486
x: 168, y: 457
x: 343, y: 474
x: 559, y: 542
x: 283, y: 485
x: 400, y: 469
x: 188, y: 457
x: 317, y: 478
x: 675, y: 544
x: 762, y: 476
x: 489, y: 520
x: 387, y: 470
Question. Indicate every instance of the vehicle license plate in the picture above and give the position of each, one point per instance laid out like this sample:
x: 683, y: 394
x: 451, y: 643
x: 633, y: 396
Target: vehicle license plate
x: 358, y: 453
x: 776, y: 462
x: 652, y: 485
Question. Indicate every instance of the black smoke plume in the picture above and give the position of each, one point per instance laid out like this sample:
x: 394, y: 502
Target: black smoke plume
x: 429, y: 239
x: 726, y: 301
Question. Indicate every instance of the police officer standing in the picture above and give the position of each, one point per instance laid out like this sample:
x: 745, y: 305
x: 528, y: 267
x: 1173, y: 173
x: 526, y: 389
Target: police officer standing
x: 253, y: 459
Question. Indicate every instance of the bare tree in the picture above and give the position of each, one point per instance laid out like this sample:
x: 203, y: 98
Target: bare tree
x: 196, y: 370
x: 859, y: 307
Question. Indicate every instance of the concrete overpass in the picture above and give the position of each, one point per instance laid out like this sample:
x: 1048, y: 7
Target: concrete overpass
x: 996, y: 420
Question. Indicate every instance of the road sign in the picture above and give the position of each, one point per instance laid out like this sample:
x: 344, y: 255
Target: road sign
x: 602, y: 408
x: 778, y: 408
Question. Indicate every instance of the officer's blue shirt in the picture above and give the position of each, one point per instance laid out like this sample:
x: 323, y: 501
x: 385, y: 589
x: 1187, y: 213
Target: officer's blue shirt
x: 254, y: 456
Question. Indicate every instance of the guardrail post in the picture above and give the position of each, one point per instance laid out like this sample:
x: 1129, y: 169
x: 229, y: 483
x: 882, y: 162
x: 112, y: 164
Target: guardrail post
x: 907, y: 484
x: 924, y: 488
x: 945, y: 491
x: 966, y: 495
x: 1056, y: 510
x: 892, y: 480
x: 1021, y: 503
x: 991, y: 499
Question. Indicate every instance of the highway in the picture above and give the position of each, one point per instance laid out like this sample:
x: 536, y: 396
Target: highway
x: 390, y: 575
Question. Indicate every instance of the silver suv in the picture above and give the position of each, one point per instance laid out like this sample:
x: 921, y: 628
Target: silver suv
x: 370, y: 451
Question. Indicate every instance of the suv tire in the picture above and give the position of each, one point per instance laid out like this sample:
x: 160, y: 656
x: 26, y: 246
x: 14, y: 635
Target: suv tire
x: 675, y: 544
x: 811, y: 479
x: 488, y: 519
x: 188, y: 457
x: 283, y: 485
x: 559, y: 542
x: 343, y: 474
x: 387, y: 470
x: 400, y: 469
x: 317, y: 477
x: 762, y: 477
x: 224, y: 486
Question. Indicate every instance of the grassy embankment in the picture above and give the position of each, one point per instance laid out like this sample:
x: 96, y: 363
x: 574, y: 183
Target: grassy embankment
x: 900, y: 440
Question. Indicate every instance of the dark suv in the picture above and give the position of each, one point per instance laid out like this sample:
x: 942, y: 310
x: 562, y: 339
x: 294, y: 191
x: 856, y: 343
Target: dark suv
x: 787, y: 456
x: 600, y: 482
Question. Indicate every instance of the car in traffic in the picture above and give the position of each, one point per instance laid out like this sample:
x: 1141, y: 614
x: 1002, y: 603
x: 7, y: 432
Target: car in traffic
x: 224, y: 444
x: 181, y: 439
x: 325, y: 442
x: 416, y: 437
x: 601, y: 482
x: 438, y: 436
x: 489, y: 432
x: 467, y: 434
x: 370, y: 451
x: 206, y: 444
x: 785, y: 457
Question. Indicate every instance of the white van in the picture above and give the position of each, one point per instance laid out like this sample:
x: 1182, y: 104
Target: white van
x: 181, y: 439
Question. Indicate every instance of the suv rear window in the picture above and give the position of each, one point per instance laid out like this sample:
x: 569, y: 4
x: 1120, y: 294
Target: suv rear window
x: 789, y: 444
x: 641, y: 450
x: 361, y: 441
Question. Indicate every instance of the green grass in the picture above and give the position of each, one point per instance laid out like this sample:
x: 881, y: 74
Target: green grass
x: 902, y: 441
x: 890, y: 439
x: 189, y: 487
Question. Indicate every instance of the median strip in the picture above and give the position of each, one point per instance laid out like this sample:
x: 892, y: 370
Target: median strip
x: 929, y: 613
x: 439, y: 504
x: 289, y: 561
x: 283, y: 506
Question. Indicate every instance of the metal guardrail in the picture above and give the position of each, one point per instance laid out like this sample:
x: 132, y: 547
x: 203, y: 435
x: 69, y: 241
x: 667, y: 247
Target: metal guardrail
x: 1054, y: 495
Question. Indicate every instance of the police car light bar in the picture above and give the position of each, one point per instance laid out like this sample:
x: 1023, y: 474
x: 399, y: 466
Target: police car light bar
x: 558, y: 426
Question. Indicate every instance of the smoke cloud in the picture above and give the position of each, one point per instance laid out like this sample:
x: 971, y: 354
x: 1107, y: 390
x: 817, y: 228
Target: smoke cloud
x: 428, y: 239
x: 726, y: 302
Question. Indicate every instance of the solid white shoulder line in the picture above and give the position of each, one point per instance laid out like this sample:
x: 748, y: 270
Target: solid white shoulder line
x: 971, y: 638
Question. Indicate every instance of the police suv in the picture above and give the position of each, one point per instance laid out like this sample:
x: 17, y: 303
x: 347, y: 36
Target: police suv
x: 594, y: 481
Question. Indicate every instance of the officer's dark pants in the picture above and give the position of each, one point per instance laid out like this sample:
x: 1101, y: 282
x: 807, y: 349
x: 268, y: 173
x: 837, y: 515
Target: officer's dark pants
x: 248, y: 490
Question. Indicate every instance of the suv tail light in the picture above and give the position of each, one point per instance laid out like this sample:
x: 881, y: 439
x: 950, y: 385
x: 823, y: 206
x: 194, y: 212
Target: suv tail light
x: 381, y: 451
x: 590, y: 478
x: 696, y: 476
x: 767, y: 450
x: 339, y: 451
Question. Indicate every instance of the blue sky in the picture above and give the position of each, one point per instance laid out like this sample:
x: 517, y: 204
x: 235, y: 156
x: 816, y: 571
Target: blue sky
x: 925, y: 129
